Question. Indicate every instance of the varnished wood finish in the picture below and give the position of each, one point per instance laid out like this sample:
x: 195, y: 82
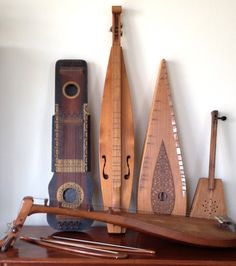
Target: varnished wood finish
x: 162, y: 187
x: 116, y: 153
x: 194, y: 231
x: 168, y: 253
x: 71, y: 184
x: 209, y: 199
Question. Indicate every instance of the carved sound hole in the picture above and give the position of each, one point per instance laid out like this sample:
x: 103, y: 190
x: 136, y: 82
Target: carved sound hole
x: 71, y: 90
x: 162, y: 196
x: 70, y: 195
x: 210, y: 207
x: 105, y: 176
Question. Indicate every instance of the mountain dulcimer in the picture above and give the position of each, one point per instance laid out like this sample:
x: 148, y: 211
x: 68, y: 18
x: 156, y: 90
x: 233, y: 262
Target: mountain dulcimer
x: 162, y: 186
x: 71, y: 185
x: 116, y: 141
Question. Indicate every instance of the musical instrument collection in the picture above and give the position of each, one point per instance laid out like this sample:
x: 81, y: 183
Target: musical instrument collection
x: 161, y: 193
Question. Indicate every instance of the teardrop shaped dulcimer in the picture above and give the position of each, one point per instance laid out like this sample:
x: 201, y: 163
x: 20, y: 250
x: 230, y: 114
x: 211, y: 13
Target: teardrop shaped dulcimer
x: 116, y: 153
x: 162, y: 186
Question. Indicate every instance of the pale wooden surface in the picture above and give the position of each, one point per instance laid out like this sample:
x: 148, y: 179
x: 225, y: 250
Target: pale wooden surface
x: 162, y: 138
x: 208, y: 203
x: 116, y: 140
x: 209, y: 199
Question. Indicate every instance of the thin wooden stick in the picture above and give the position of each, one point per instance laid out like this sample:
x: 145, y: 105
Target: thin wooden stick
x: 84, y: 250
x: 107, y: 245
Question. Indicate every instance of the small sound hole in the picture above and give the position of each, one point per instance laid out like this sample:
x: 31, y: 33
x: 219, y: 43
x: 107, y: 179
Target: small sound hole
x: 71, y: 90
x: 69, y: 195
x: 162, y: 196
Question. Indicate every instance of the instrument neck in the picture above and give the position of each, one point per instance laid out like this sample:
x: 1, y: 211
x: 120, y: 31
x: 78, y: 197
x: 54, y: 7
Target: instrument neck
x: 211, y: 174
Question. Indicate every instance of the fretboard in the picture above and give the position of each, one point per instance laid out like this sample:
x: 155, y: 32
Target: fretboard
x: 116, y: 126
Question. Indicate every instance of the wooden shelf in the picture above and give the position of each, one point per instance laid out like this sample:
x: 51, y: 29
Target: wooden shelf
x: 168, y: 253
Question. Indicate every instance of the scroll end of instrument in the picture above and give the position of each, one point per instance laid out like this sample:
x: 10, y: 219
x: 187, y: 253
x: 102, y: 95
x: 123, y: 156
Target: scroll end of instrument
x: 214, y: 114
x: 116, y: 9
x: 28, y: 198
x: 163, y: 65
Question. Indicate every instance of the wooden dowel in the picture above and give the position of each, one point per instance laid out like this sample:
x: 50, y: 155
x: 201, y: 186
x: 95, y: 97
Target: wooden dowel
x: 108, y: 245
x: 83, y: 250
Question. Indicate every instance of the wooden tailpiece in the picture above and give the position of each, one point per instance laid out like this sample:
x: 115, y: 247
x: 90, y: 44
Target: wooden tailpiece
x: 116, y: 156
x: 193, y: 231
x: 71, y: 185
x: 162, y: 185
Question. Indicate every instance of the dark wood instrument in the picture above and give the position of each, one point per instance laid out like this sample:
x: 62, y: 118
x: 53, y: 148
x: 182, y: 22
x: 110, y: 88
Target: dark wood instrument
x: 194, y: 231
x: 71, y: 185
x: 116, y: 158
x: 209, y: 200
x: 162, y: 185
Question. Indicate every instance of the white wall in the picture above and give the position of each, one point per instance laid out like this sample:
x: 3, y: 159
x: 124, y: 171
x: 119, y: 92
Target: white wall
x: 198, y: 40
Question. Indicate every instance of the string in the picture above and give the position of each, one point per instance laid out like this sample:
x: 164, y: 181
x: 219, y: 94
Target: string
x: 99, y: 207
x: 75, y: 146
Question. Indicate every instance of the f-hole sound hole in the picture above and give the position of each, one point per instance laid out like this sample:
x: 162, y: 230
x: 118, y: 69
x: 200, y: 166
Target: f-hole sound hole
x: 162, y: 196
x: 69, y: 195
x: 105, y: 176
x: 71, y: 90
x: 128, y: 174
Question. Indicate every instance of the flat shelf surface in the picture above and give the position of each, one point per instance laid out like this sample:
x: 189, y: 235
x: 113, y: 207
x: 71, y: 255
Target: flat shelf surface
x: 167, y: 252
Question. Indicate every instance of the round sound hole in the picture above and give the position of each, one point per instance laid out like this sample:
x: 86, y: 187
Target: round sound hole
x: 71, y: 90
x: 70, y: 195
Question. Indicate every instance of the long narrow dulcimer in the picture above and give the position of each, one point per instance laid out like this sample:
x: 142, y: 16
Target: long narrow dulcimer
x: 71, y: 185
x: 116, y: 130
x: 162, y: 187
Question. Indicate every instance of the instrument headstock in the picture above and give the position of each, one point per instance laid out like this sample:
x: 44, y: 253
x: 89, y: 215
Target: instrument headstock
x: 116, y: 24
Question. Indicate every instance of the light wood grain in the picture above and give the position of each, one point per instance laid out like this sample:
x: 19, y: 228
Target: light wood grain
x: 189, y: 230
x: 162, y: 187
x: 209, y: 199
x: 116, y: 153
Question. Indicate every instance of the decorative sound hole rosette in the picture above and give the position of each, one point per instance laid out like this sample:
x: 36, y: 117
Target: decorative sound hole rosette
x: 210, y: 207
x: 71, y: 90
x: 70, y: 195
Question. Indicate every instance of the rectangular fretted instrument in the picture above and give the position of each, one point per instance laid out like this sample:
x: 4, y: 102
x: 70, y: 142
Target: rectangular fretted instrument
x: 71, y: 185
x: 209, y: 200
x: 162, y: 186
x: 116, y: 141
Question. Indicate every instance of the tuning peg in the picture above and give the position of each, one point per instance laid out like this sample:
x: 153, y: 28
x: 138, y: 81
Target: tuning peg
x: 223, y: 118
